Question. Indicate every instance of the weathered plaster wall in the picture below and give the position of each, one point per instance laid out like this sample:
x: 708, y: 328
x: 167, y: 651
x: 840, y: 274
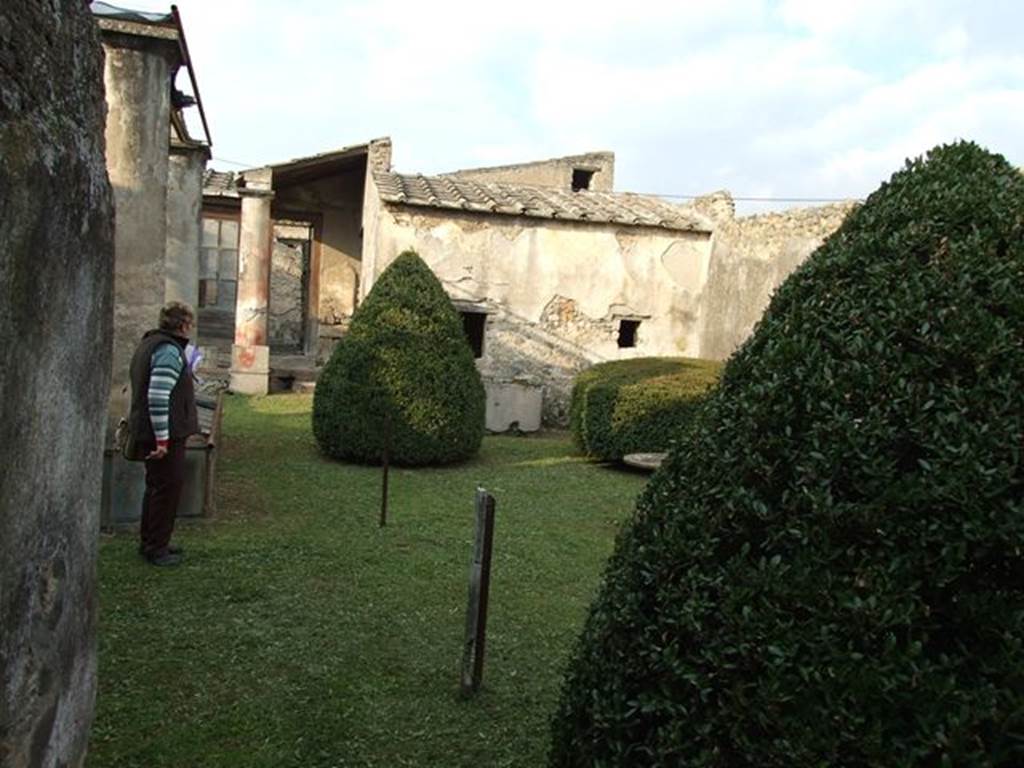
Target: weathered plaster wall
x: 555, y: 291
x: 56, y: 265
x: 751, y: 256
x: 184, y: 203
x: 551, y: 173
x: 136, y: 79
x: 373, y: 210
x: 285, y: 321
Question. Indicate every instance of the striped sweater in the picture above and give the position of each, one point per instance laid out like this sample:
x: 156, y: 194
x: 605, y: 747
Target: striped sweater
x: 165, y: 369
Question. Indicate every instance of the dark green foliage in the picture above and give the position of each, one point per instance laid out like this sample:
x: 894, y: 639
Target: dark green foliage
x: 829, y: 570
x: 636, y: 405
x: 405, y: 360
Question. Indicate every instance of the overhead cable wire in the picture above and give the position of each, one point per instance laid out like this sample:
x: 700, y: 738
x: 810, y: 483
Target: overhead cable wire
x: 235, y: 162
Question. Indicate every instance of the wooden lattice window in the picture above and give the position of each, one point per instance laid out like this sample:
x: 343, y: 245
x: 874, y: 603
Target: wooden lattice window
x: 218, y: 264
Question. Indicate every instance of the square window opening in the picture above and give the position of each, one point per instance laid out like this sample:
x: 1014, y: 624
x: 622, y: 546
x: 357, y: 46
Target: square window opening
x: 473, y: 324
x: 581, y: 179
x: 627, y: 333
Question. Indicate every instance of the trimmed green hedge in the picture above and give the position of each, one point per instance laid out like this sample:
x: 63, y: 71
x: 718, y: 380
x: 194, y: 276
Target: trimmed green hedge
x: 405, y: 359
x: 829, y: 568
x: 639, y: 405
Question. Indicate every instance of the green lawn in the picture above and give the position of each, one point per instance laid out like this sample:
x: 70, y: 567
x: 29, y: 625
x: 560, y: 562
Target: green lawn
x: 299, y: 633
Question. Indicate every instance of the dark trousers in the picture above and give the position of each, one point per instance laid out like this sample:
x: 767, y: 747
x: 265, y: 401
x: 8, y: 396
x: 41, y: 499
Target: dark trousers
x: 164, y: 480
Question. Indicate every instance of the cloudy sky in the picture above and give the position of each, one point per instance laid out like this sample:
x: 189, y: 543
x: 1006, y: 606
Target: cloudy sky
x: 784, y: 99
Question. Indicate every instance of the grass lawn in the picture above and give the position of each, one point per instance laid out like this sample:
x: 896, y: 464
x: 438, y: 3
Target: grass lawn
x: 299, y: 633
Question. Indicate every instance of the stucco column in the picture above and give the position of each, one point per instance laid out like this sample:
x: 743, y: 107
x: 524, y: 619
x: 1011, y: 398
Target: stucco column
x: 137, y: 73
x: 184, y: 202
x: 56, y: 312
x: 250, y: 354
x: 378, y: 159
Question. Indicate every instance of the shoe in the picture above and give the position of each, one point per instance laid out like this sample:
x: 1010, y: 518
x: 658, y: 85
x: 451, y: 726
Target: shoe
x: 171, y: 549
x: 165, y: 558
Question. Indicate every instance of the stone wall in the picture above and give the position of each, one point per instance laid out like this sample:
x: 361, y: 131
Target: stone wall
x: 137, y: 88
x: 184, y: 203
x: 556, y: 172
x: 555, y: 292
x: 56, y: 264
x: 750, y: 258
x: 287, y: 298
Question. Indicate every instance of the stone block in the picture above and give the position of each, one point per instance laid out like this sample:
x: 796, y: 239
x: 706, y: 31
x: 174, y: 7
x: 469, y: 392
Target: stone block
x: 250, y: 369
x: 513, y: 405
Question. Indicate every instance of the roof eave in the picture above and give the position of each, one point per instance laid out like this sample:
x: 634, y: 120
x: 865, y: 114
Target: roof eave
x: 401, y: 202
x: 319, y: 164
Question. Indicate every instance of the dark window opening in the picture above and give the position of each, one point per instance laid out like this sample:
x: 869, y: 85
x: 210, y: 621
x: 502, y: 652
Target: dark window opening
x: 581, y: 179
x: 473, y: 325
x: 627, y: 332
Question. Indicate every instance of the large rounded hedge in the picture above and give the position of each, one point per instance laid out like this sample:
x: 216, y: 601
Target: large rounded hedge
x: 405, y: 360
x: 628, y: 406
x: 829, y: 569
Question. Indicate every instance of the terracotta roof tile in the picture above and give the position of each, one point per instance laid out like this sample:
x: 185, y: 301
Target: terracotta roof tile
x: 220, y: 183
x: 451, y: 192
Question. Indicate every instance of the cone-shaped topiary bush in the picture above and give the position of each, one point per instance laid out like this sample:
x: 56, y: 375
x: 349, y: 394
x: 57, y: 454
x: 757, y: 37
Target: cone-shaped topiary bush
x: 829, y: 569
x: 638, y: 405
x: 404, y: 360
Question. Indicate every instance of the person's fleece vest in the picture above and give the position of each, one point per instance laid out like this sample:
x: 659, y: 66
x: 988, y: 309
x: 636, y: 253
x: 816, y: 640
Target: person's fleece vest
x: 183, y: 418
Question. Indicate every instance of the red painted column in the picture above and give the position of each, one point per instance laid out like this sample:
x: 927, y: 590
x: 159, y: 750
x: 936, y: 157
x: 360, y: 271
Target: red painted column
x: 250, y: 354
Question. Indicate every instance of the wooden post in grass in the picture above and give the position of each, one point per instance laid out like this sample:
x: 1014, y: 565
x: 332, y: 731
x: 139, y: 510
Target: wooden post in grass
x: 479, y: 590
x: 385, y: 462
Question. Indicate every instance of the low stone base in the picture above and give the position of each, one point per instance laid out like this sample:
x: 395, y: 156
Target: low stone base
x: 250, y: 369
x: 647, y: 461
x: 513, y: 406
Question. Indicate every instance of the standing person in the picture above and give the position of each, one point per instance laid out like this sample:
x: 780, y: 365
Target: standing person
x: 163, y: 415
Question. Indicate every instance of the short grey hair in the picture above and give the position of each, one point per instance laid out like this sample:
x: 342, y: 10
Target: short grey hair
x: 174, y: 315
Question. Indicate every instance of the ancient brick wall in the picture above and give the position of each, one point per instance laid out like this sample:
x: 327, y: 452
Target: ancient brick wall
x: 750, y: 258
x: 557, y: 172
x: 556, y: 293
x: 56, y: 274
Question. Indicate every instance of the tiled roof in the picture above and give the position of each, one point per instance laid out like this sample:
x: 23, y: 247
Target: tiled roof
x: 453, y: 193
x: 220, y: 183
x: 288, y: 173
x: 106, y: 10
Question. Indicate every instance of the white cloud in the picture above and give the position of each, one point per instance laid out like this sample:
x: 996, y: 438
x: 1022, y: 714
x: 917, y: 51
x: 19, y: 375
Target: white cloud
x: 797, y: 98
x: 862, y: 140
x: 842, y: 17
x: 952, y: 41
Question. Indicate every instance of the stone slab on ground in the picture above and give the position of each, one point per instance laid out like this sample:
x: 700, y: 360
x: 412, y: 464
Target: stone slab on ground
x: 648, y: 461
